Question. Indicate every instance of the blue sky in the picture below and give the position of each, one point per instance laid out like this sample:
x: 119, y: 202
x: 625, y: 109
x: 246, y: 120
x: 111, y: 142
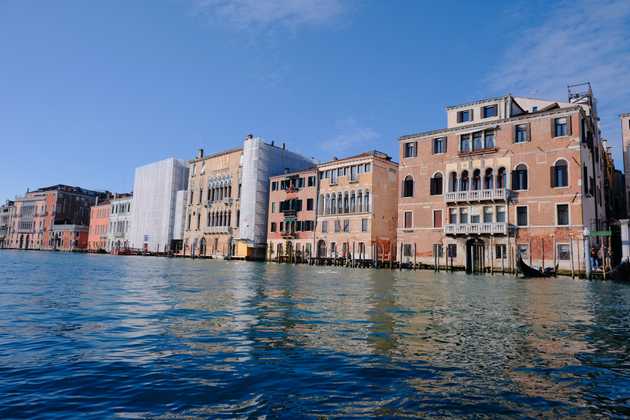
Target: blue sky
x: 90, y: 90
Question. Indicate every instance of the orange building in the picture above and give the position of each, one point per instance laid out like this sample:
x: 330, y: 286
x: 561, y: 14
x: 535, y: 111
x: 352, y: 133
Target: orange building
x: 99, y: 227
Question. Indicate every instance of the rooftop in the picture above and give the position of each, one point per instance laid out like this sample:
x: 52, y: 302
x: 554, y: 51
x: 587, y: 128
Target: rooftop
x: 372, y: 153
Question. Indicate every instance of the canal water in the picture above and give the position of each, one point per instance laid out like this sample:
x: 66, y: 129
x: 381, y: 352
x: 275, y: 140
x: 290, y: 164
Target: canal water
x: 135, y: 337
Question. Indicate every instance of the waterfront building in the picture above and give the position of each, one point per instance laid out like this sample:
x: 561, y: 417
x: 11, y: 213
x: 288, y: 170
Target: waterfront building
x: 357, y: 206
x: 625, y: 136
x: 508, y: 176
x: 99, y: 226
x: 212, y: 211
x: 226, y: 212
x: 119, y: 222
x: 153, y: 211
x: 177, y: 244
x: 70, y: 237
x: 292, y: 215
x: 39, y: 212
x: 7, y: 212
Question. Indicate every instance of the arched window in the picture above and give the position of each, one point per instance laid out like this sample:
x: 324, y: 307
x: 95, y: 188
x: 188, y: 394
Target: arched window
x: 320, y: 205
x: 346, y: 203
x: 476, y: 181
x: 560, y: 174
x: 463, y: 181
x: 366, y: 202
x: 353, y: 202
x: 519, y: 178
x: 488, y: 180
x: 327, y: 204
x: 452, y: 182
x: 360, y: 201
x: 339, y: 203
x: 436, y: 184
x: 407, y: 186
x: 333, y: 203
x: 501, y: 181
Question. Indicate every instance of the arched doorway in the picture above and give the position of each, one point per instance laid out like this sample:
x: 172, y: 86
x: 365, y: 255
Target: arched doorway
x: 27, y: 242
x: 321, y: 249
x: 21, y: 241
x: 475, y: 256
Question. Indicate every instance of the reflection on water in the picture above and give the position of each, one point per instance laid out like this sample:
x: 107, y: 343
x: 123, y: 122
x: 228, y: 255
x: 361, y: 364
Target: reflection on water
x: 108, y: 336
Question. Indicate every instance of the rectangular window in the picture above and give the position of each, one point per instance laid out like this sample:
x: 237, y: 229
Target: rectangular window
x: 488, y: 139
x: 364, y: 225
x: 452, y: 216
x: 474, y: 215
x: 353, y: 173
x: 436, y: 185
x: 337, y: 226
x: 563, y: 252
x: 464, y: 116
x: 346, y: 225
x: 367, y: 167
x: 439, y: 145
x: 463, y: 215
x: 408, y: 223
x: 311, y: 181
x: 333, y: 177
x: 521, y: 133
x: 500, y: 214
x: 562, y: 211
x: 309, y: 204
x: 324, y: 227
x: 560, y: 127
x: 521, y: 216
x: 464, y: 143
x: 273, y: 207
x: 489, y: 111
x: 476, y: 141
x: 437, y: 218
x: 274, y: 185
x: 411, y: 149
x: 273, y: 226
x: 281, y: 226
x: 452, y: 250
x: 500, y: 251
x: 487, y: 214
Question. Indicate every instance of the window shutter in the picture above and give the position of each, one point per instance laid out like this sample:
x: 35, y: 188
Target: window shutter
x: 529, y: 132
x: 553, y: 127
x: 445, y: 144
x: 552, y: 176
x: 569, y: 125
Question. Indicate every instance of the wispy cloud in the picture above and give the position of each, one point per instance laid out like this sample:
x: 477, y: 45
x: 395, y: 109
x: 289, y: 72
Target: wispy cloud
x: 267, y: 13
x: 576, y: 41
x: 351, y: 136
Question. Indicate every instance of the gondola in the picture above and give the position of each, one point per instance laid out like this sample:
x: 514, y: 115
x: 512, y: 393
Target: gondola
x: 621, y: 272
x: 529, y: 272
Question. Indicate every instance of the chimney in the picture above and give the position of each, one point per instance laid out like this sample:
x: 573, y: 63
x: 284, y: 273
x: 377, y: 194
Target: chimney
x: 286, y: 170
x: 284, y: 146
x: 250, y: 136
x: 272, y: 142
x: 96, y: 203
x: 199, y: 153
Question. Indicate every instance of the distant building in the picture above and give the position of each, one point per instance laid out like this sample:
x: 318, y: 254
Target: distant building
x: 153, y: 210
x: 40, y: 213
x: 99, y: 226
x: 508, y: 177
x: 625, y: 136
x: 226, y: 212
x: 292, y: 215
x: 178, y: 227
x: 357, y: 206
x: 7, y: 212
x: 119, y: 222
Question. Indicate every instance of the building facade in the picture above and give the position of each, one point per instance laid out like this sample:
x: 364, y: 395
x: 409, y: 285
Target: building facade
x: 99, y: 227
x: 226, y: 212
x: 625, y: 136
x: 356, y: 208
x: 213, y: 204
x: 119, y: 222
x: 508, y: 177
x: 70, y: 237
x: 7, y: 212
x: 39, y: 212
x: 292, y: 216
x: 154, y: 199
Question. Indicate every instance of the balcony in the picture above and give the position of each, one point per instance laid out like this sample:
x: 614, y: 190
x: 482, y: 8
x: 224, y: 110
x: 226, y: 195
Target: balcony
x: 289, y: 213
x: 217, y: 229
x: 476, y: 229
x: 500, y: 194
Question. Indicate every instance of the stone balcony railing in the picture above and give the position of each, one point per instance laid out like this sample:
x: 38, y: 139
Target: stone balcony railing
x: 500, y: 194
x: 476, y: 229
x: 217, y: 229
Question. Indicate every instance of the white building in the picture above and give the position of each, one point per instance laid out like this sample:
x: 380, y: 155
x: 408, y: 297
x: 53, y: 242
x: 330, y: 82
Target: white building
x: 179, y: 218
x: 119, y: 223
x: 260, y: 161
x: 153, y: 211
